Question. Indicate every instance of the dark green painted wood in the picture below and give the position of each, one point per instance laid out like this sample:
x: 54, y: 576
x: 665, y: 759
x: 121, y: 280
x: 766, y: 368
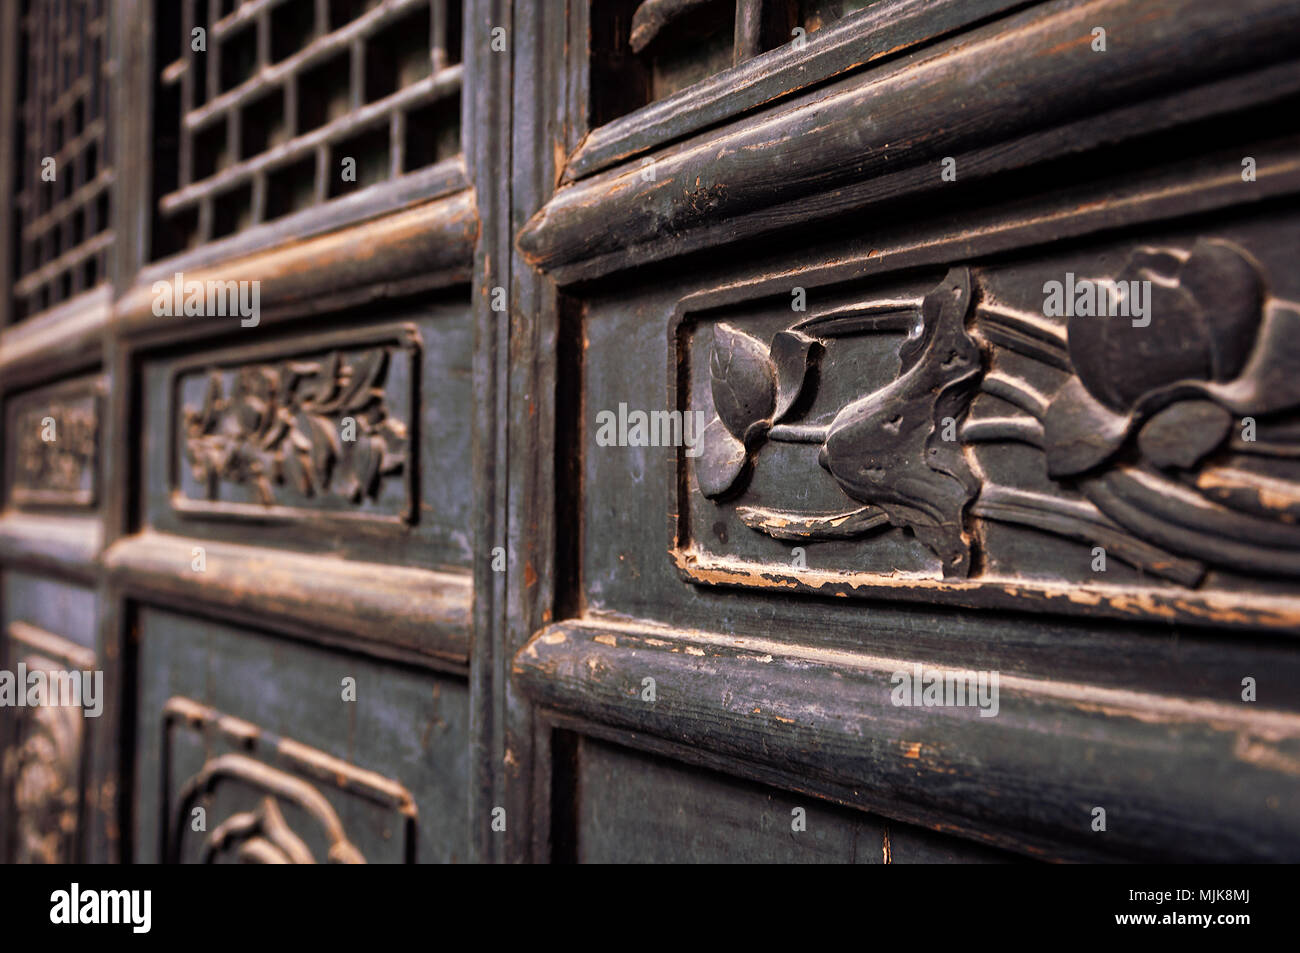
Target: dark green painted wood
x: 405, y: 725
x: 501, y: 609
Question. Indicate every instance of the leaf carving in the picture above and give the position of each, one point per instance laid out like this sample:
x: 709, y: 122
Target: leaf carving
x: 744, y: 383
x: 370, y: 453
x: 211, y: 403
x: 721, y: 461
x: 323, y: 447
x: 366, y: 370
x: 250, y: 411
x: 296, y: 472
x: 791, y: 355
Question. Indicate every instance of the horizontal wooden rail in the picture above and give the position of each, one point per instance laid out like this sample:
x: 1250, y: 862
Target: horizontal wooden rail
x: 65, y: 337
x: 429, y: 245
x: 63, y: 545
x: 422, y: 611
x: 1178, y: 777
x: 865, y: 36
x: 1021, y: 91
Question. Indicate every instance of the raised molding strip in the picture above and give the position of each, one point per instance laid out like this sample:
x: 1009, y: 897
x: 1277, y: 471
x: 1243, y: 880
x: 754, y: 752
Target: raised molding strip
x: 350, y: 211
x: 881, y: 30
x: 1174, y: 774
x: 64, y: 545
x: 64, y: 338
x: 369, y: 606
x: 1007, y: 96
x: 433, y: 242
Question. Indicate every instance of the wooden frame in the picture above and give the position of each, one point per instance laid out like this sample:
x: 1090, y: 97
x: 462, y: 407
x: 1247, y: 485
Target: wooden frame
x: 576, y: 254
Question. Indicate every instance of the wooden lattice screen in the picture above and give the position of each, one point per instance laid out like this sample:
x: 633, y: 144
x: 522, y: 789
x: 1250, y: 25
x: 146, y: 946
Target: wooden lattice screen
x: 62, y: 229
x: 259, y: 111
x: 643, y: 51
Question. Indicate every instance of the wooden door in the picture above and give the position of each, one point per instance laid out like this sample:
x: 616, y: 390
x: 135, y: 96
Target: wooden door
x: 266, y: 535
x: 838, y: 243
x: 644, y: 430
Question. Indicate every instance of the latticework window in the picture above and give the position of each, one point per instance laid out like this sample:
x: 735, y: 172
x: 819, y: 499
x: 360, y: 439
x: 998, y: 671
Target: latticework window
x: 643, y: 51
x: 269, y: 107
x: 62, y: 229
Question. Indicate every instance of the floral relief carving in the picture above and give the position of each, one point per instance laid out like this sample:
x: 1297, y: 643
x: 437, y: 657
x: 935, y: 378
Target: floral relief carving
x: 318, y: 427
x: 41, y: 770
x: 1142, y: 436
x: 56, y: 451
x: 882, y: 449
x: 45, y: 771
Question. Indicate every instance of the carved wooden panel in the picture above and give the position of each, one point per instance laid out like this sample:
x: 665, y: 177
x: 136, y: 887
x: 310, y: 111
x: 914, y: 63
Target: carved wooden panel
x: 293, y: 749
x: 54, y: 433
x: 348, y: 437
x: 938, y: 335
x: 263, y: 433
x: 277, y: 812
x: 43, y: 770
x: 1131, y: 411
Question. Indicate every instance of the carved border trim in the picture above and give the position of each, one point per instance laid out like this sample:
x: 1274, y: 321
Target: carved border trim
x: 290, y: 768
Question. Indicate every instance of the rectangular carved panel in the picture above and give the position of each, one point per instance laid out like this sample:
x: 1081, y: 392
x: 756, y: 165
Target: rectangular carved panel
x: 54, y: 433
x: 1112, y: 429
x: 347, y: 438
x: 261, y: 432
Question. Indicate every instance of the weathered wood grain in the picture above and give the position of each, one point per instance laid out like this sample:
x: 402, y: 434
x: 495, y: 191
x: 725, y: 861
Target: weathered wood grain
x: 1175, y: 775
x: 633, y: 807
x: 421, y: 612
x: 999, y: 90
x: 866, y: 36
x: 428, y: 246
